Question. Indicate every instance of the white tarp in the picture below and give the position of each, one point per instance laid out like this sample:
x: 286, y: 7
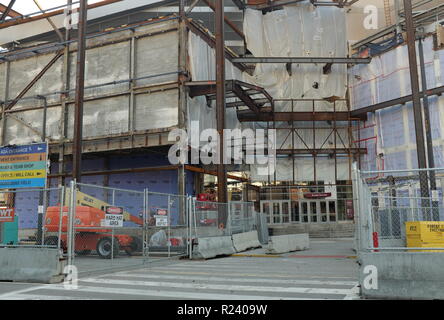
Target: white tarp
x: 301, y: 30
x: 390, y: 132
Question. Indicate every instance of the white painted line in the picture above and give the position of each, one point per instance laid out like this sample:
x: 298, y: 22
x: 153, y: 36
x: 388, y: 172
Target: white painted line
x: 26, y: 296
x: 17, y: 292
x: 176, y: 294
x: 225, y: 279
x: 268, y: 275
x: 354, y: 294
x: 219, y: 286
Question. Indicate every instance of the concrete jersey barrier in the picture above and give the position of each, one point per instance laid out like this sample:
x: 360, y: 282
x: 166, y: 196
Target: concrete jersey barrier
x: 41, y: 265
x: 401, y: 275
x: 287, y: 243
x: 211, y: 247
x: 245, y: 240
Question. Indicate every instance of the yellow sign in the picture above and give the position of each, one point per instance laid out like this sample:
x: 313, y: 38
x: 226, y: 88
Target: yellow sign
x: 7, y: 175
x: 425, y: 234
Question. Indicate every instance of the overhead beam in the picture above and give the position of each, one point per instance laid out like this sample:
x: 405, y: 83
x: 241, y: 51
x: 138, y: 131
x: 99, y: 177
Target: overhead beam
x: 249, y: 116
x: 6, y: 11
x: 11, y: 13
x: 51, y: 14
x: 227, y: 21
x: 386, y: 104
x: 323, y: 151
x: 302, y: 60
x: 57, y: 31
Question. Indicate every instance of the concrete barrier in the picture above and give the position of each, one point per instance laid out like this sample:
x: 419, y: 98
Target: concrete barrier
x: 402, y: 275
x: 245, y: 240
x: 41, y: 265
x: 287, y: 243
x: 211, y: 247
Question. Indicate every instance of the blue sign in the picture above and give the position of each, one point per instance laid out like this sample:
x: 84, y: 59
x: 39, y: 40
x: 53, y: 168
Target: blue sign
x: 23, y: 166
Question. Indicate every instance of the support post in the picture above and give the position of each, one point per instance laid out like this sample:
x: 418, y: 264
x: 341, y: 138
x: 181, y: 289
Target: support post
x: 183, y: 97
x: 428, y: 130
x: 417, y: 114
x: 80, y: 77
x: 220, y: 108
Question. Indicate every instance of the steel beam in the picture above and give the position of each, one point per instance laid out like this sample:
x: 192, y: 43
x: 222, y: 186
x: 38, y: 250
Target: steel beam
x: 325, y: 60
x: 320, y: 151
x: 11, y: 13
x: 57, y: 31
x: 51, y: 14
x: 7, y: 11
x: 227, y: 21
x: 402, y: 100
x: 220, y: 106
x: 79, y: 94
x: 248, y: 116
x: 249, y: 102
x: 33, y: 81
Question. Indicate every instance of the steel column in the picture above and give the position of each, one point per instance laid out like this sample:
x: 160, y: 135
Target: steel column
x: 428, y: 131
x: 220, y: 106
x: 80, y: 78
x: 417, y: 114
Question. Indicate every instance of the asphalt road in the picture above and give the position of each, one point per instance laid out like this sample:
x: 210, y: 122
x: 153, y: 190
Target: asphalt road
x: 326, y: 271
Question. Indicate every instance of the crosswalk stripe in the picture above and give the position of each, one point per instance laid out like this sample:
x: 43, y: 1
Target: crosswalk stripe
x: 219, y: 286
x: 292, y: 275
x: 25, y: 296
x: 175, y: 294
x: 226, y: 279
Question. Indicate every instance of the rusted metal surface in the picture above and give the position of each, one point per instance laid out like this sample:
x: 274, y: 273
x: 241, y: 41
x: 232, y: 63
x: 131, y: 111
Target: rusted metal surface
x: 220, y: 107
x: 227, y: 21
x: 19, y: 20
x: 267, y: 115
x: 80, y: 85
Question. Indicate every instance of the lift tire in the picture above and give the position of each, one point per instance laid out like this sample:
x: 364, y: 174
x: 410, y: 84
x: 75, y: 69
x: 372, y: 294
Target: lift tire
x: 103, y: 248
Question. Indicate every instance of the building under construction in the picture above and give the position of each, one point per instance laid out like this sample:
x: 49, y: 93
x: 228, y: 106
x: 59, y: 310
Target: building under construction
x: 105, y: 84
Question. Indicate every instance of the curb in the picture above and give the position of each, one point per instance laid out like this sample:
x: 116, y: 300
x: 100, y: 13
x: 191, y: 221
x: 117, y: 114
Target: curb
x: 256, y: 255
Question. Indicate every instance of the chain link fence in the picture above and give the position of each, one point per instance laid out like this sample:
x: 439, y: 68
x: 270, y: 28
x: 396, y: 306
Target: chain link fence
x: 167, y: 229
x: 210, y: 219
x: 31, y: 217
x: 390, y: 201
x: 106, y: 227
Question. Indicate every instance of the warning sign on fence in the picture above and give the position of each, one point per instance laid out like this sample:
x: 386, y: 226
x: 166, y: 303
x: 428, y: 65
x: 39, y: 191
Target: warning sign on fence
x: 113, y: 216
x: 6, y: 214
x: 161, y: 221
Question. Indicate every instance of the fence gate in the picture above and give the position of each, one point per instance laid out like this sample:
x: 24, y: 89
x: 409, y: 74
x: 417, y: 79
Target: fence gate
x: 167, y: 225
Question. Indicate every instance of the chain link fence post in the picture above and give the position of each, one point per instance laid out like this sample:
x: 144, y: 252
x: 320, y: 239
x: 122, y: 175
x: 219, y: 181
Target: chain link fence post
x: 70, y: 227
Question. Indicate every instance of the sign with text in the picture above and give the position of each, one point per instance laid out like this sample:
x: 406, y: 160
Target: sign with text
x: 6, y: 214
x: 113, y: 216
x: 23, y: 166
x: 161, y: 221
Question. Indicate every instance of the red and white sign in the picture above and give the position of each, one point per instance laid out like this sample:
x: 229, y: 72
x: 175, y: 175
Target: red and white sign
x: 317, y: 195
x: 6, y: 214
x: 113, y: 210
x: 162, y: 212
